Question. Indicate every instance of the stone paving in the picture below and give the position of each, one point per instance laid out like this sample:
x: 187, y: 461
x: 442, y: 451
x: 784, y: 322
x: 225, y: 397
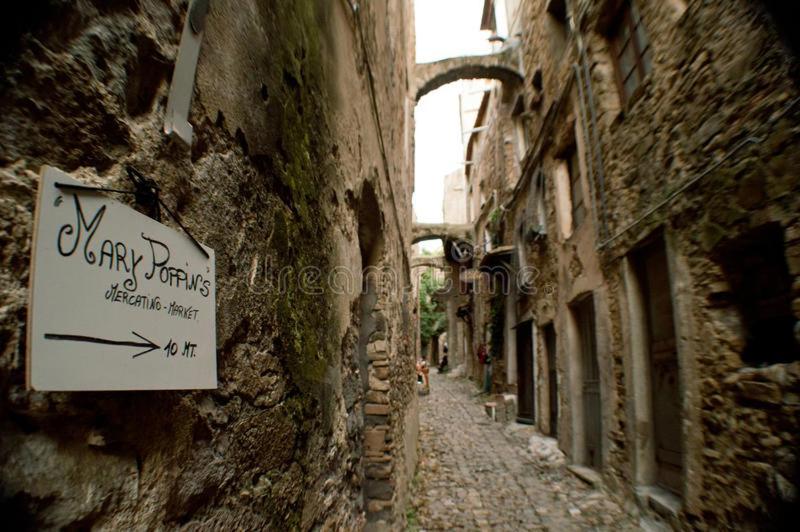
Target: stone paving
x: 477, y: 474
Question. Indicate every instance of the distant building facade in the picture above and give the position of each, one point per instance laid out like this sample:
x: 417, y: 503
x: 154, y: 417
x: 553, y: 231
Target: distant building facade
x: 454, y: 204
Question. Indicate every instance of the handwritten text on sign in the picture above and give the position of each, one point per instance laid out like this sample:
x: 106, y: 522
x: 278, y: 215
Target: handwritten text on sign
x: 118, y: 300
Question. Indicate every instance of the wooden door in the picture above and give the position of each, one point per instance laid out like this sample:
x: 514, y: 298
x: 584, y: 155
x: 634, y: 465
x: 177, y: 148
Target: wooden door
x: 592, y: 422
x: 525, y: 401
x: 664, y: 376
x: 552, y: 376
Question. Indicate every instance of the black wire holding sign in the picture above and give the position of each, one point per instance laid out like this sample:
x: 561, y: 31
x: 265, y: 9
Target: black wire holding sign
x: 147, y: 194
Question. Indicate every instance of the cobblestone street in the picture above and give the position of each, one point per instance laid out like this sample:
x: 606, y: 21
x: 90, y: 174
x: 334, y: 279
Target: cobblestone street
x: 475, y: 473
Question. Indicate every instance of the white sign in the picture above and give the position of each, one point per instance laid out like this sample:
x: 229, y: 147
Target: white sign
x: 118, y: 301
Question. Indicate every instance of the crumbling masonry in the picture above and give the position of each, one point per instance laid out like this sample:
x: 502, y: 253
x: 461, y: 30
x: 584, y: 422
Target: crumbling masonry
x: 640, y: 191
x: 301, y: 157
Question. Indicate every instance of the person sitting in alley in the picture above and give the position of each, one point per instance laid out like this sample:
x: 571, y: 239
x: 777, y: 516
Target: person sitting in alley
x: 443, y: 362
x: 422, y: 377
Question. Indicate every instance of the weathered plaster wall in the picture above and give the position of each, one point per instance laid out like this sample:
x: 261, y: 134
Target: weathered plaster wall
x: 297, y: 105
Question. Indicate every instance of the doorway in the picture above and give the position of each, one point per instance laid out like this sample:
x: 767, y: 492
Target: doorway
x: 590, y: 385
x: 552, y: 376
x: 653, y: 273
x: 525, y: 391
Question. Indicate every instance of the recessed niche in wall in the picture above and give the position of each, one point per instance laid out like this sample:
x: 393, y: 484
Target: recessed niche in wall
x: 754, y: 265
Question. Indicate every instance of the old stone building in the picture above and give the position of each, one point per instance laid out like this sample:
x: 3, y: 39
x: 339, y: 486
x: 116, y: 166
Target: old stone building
x: 625, y: 260
x: 301, y: 158
x: 636, y: 187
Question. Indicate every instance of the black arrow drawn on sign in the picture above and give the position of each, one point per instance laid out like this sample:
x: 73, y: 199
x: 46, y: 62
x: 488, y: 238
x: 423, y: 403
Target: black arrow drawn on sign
x: 78, y: 338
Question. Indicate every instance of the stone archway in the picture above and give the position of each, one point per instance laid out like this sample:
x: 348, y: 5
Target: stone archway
x: 422, y: 232
x: 500, y: 66
x: 373, y: 363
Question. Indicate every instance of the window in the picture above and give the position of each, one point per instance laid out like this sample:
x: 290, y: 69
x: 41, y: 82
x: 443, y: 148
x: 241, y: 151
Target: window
x: 520, y: 129
x: 575, y: 189
x: 632, y: 52
x: 536, y: 205
x: 761, y: 287
x: 782, y: 15
x: 558, y: 24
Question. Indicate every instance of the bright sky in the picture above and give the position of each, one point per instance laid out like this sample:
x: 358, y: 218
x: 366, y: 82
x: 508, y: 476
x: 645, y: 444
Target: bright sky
x: 445, y: 28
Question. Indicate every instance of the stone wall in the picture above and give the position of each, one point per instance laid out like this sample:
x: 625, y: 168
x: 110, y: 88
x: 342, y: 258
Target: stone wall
x: 721, y: 114
x: 703, y: 158
x: 302, y: 118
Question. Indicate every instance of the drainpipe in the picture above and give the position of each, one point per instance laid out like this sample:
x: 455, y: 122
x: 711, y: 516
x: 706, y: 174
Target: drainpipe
x: 585, y: 81
x: 590, y: 147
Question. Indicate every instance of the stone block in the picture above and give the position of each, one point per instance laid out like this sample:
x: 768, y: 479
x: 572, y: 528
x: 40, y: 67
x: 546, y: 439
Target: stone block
x: 712, y: 454
x: 706, y: 131
x: 752, y: 191
x: 510, y: 407
x: 792, y: 234
x: 586, y: 474
x: 374, y: 396
x: 382, y: 458
x: 760, y: 392
x: 377, y: 522
x: 379, y: 471
x: 374, y: 421
x: 378, y: 335
x: 381, y: 372
x: 372, y: 409
x: 378, y: 385
x: 378, y: 489
x: 374, y: 440
x: 770, y: 441
x: 377, y: 505
x: 375, y: 356
x: 378, y: 346
x: 794, y: 264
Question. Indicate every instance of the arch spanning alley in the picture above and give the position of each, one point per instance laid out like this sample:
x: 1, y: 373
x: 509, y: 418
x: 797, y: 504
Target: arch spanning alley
x: 428, y: 261
x: 443, y: 232
x: 500, y: 66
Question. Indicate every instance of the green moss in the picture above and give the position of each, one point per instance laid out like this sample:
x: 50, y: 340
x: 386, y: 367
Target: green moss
x: 299, y: 164
x: 302, y: 314
x: 302, y: 121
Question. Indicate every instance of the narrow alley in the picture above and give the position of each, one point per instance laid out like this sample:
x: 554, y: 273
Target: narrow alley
x: 475, y: 473
x: 239, y: 237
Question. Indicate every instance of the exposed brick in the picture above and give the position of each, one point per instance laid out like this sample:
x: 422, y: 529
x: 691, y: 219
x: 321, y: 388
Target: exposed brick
x: 374, y: 440
x: 375, y: 356
x: 762, y: 392
x: 377, y: 397
x: 379, y: 471
x: 378, y: 346
x: 378, y: 385
x: 377, y: 505
x: 381, y: 373
x: 376, y: 409
x: 378, y: 489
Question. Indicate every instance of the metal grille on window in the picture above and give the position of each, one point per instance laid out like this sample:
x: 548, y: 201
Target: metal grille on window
x: 632, y: 51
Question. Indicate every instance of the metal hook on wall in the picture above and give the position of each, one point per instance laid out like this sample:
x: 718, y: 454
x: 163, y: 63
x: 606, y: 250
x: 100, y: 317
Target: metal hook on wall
x: 147, y: 194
